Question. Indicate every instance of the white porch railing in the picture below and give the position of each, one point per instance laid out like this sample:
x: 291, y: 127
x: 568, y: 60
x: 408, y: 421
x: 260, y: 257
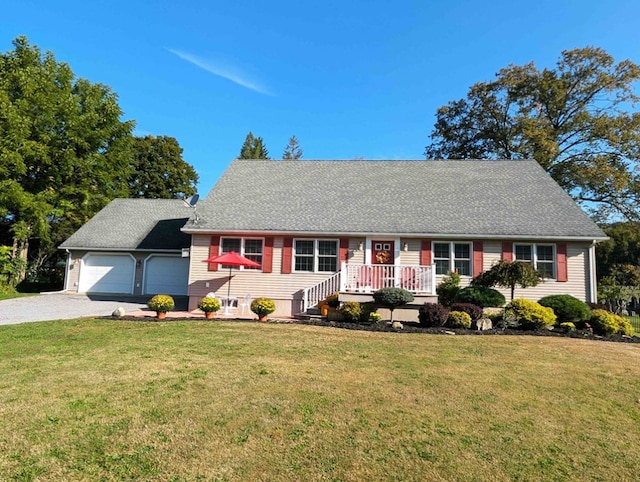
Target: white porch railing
x: 368, y: 278
x: 318, y: 292
x: 364, y: 278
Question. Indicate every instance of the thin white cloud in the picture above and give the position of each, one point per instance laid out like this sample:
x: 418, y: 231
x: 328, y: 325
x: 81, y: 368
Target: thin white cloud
x: 220, y: 71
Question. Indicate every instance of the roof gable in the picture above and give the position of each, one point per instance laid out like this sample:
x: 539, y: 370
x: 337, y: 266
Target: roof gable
x: 457, y: 198
x: 135, y: 224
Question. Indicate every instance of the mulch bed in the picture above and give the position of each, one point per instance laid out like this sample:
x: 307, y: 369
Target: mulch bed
x: 408, y: 327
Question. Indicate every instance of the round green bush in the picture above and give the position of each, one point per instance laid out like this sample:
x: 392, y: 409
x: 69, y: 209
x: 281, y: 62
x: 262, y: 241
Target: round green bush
x: 263, y: 306
x: 161, y: 303
x: 209, y: 305
x: 459, y: 319
x: 567, y: 307
x: 433, y: 314
x: 448, y: 288
x: 529, y: 315
x: 481, y: 296
x: 392, y: 297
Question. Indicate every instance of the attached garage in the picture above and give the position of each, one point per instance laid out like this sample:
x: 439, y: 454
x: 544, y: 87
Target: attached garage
x: 166, y: 274
x: 107, y: 273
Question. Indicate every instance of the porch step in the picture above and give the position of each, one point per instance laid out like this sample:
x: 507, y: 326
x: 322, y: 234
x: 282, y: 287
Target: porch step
x: 308, y: 316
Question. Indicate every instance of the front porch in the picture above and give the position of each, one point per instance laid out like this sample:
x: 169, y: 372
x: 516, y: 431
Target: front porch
x: 357, y: 282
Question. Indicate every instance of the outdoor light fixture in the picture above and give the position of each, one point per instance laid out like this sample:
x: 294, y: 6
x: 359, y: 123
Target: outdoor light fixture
x: 360, y: 246
x: 406, y: 246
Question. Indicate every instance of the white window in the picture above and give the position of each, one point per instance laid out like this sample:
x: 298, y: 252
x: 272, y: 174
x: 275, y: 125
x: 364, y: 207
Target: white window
x: 541, y: 256
x: 452, y: 257
x: 251, y: 248
x: 315, y: 255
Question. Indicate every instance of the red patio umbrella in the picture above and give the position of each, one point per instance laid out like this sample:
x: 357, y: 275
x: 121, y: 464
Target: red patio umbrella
x: 232, y: 259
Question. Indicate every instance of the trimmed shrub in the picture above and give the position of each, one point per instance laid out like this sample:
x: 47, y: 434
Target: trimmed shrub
x: 392, y: 298
x: 458, y: 319
x: 567, y: 307
x: 624, y: 325
x: 529, y: 315
x: 482, y: 296
x: 161, y: 303
x: 474, y: 311
x: 433, y: 314
x: 448, y: 289
x: 603, y: 322
x: 351, y: 311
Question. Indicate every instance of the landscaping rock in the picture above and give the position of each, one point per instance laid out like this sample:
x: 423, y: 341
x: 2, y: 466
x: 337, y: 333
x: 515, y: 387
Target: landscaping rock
x: 119, y: 312
x: 484, y: 324
x: 396, y: 325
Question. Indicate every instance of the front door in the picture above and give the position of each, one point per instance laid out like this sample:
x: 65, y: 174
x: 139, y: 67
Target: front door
x: 382, y: 253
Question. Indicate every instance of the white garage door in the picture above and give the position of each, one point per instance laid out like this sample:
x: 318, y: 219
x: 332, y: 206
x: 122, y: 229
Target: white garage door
x: 107, y: 273
x: 166, y: 274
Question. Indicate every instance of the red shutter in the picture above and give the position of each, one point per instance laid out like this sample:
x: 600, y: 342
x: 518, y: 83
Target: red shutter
x: 287, y: 251
x: 478, y: 249
x: 344, y: 252
x: 425, y: 253
x: 214, y: 250
x: 507, y: 251
x: 561, y: 261
x: 267, y: 256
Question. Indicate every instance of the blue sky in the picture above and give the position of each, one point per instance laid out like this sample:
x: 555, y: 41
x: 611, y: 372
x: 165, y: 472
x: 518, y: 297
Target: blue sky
x: 350, y: 78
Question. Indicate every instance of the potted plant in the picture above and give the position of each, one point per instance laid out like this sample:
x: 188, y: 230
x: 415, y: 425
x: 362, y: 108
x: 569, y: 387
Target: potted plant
x: 209, y: 305
x: 263, y: 307
x: 161, y: 304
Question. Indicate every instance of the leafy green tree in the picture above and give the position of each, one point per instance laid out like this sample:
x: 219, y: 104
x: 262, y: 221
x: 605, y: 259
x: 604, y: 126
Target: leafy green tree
x: 619, y: 256
x: 253, y: 148
x: 575, y: 120
x: 64, y: 152
x: 293, y: 150
x: 509, y: 274
x: 158, y: 170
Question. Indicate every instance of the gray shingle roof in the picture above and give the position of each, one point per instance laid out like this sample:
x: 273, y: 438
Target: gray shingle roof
x: 458, y: 198
x: 135, y: 224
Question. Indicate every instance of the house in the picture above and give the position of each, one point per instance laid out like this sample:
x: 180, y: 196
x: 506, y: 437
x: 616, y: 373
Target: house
x: 133, y: 247
x: 317, y: 227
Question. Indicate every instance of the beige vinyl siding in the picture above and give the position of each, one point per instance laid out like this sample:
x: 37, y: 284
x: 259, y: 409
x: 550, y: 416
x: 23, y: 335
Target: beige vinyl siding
x: 576, y: 285
x: 357, y: 255
x: 282, y: 288
x: 412, y: 255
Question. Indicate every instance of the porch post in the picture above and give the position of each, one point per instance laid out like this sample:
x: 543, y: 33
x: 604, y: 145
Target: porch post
x: 343, y: 276
x: 433, y: 279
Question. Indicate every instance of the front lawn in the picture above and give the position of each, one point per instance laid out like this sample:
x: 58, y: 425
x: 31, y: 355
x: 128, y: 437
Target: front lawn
x: 187, y: 401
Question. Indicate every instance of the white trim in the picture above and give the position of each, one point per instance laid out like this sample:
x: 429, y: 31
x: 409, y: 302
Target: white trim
x: 534, y: 256
x: 242, y: 249
x: 452, y: 256
x: 315, y: 255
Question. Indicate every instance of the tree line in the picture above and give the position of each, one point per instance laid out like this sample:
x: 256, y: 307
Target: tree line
x: 64, y: 154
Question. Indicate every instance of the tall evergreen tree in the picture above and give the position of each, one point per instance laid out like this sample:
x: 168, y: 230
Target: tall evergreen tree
x: 253, y: 148
x: 293, y: 150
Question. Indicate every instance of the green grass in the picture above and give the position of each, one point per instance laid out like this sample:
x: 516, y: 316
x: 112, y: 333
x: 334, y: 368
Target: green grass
x: 635, y: 322
x: 200, y: 401
x: 7, y: 295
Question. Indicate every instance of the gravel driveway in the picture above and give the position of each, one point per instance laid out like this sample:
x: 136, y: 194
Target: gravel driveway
x: 63, y: 306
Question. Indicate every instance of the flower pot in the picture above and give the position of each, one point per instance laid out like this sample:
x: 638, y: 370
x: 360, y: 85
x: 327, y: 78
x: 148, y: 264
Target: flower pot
x: 263, y: 318
x: 324, y: 309
x: 209, y: 314
x: 161, y: 315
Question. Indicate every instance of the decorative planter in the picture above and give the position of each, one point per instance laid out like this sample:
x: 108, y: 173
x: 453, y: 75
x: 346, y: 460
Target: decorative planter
x: 263, y: 318
x: 209, y: 314
x: 324, y: 309
x: 161, y: 315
